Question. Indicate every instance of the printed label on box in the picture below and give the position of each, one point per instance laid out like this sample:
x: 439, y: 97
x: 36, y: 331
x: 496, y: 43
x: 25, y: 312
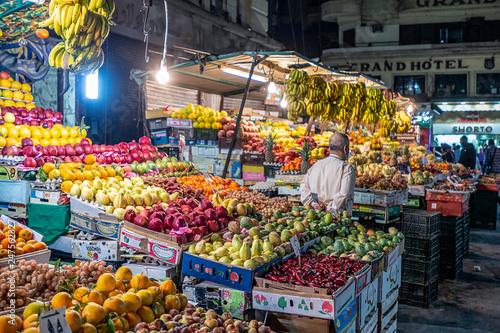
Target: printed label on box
x: 130, y: 239
x: 363, y: 280
x: 163, y: 251
x: 107, y: 229
x: 82, y: 222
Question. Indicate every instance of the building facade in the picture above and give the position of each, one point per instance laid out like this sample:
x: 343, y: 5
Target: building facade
x: 441, y: 53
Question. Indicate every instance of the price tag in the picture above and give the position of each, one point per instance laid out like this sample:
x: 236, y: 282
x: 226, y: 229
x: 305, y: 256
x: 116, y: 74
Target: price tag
x: 296, y: 245
x: 54, y: 321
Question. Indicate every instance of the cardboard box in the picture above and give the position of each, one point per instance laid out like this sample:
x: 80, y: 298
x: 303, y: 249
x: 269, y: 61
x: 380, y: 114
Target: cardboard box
x: 452, y: 197
x: 239, y: 278
x: 102, y: 249
x: 15, y: 191
x: 13, y: 209
x: 288, y: 179
x: 95, y: 225
x: 371, y: 323
x: 156, y: 272
x: 45, y: 197
x: 253, y: 168
x: 392, y: 298
x: 390, y: 280
x: 9, y: 221
x: 234, y: 170
x: 255, y: 176
x: 41, y: 257
x: 382, y: 215
x: 198, y: 151
x: 367, y: 303
x: 391, y: 326
x: 304, y: 301
x: 206, y: 167
x: 63, y: 244
x: 8, y: 172
x: 157, y: 113
x: 386, y: 318
x: 234, y: 157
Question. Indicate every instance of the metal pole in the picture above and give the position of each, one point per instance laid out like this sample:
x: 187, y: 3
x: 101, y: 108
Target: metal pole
x: 238, y: 119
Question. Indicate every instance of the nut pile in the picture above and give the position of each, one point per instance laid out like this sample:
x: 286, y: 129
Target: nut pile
x: 264, y: 205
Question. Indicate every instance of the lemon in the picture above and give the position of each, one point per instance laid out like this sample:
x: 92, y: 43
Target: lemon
x: 195, y: 124
x: 201, y: 125
x: 174, y: 115
x: 208, y: 126
x: 15, y: 85
x: 17, y: 95
x: 7, y: 93
x: 26, y: 87
x: 5, y: 83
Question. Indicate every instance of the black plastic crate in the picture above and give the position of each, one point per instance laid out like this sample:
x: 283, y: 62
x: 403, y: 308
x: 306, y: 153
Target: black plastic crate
x: 450, y: 245
x: 157, y: 124
x: 421, y: 249
x: 206, y: 134
x: 466, y: 247
x: 171, y: 151
x: 420, y: 223
x: 420, y: 272
x: 451, y: 231
x: 450, y: 258
x: 418, y: 295
x: 270, y: 170
x: 450, y: 272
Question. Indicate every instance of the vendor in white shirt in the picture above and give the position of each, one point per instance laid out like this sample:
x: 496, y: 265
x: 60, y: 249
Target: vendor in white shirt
x: 330, y: 182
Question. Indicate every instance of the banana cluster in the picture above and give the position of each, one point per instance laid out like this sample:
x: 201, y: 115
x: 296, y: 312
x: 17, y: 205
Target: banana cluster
x: 374, y: 100
x: 388, y: 109
x: 316, y: 96
x: 386, y: 127
x: 83, y: 25
x: 217, y: 199
x: 402, y: 122
x: 297, y: 89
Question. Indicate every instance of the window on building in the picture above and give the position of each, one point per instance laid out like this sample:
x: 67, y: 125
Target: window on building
x: 451, y: 85
x: 349, y: 38
x: 410, y: 85
x: 488, y: 84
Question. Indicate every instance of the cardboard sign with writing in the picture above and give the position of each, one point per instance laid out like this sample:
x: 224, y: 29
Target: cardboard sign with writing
x: 295, y: 244
x: 54, y: 321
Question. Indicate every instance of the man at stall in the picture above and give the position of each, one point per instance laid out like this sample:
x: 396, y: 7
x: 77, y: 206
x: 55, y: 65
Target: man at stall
x: 468, y: 154
x: 491, y: 164
x: 330, y: 182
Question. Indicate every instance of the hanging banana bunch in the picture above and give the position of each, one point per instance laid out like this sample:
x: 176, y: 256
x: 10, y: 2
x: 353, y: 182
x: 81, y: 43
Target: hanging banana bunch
x: 402, y: 122
x: 297, y: 90
x: 316, y: 96
x: 83, y: 25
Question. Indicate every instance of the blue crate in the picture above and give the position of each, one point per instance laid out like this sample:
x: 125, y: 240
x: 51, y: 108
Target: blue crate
x: 206, y: 142
x: 159, y: 137
x: 235, y: 277
x: 15, y: 191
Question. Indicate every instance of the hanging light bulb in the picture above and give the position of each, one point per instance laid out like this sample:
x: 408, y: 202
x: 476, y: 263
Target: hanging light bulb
x: 271, y: 88
x: 283, y: 102
x: 162, y: 76
x: 409, y: 109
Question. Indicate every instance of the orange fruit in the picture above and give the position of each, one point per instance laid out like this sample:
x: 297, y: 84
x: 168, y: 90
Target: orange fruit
x: 80, y: 293
x: 4, y: 253
x: 31, y: 241
x: 156, y: 293
x: 172, y: 302
x: 47, y: 167
x: 146, y: 297
x: 79, y: 176
x: 94, y: 313
x: 18, y: 229
x: 74, y: 320
x: 116, y: 292
x: 146, y: 313
x: 94, y: 297
x: 40, y: 246
x: 158, y: 309
x: 106, y: 282
x: 32, y: 330
x: 2, y: 225
x: 31, y: 321
x: 114, y: 304
x: 132, y: 318
x: 7, y: 326
x: 28, y: 248
x: 68, y: 175
x: 26, y: 234
x: 132, y: 302
x: 120, y: 286
x: 124, y: 273
x: 168, y: 287
x: 140, y: 281
x: 5, y: 243
x: 90, y: 159
x: 87, y: 328
x: 121, y: 324
x: 61, y: 299
x: 19, y: 251
x: 66, y: 186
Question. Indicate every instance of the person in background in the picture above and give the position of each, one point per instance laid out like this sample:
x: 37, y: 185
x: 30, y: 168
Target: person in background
x: 468, y: 153
x: 456, y: 151
x: 330, y: 182
x: 447, y: 154
x: 480, y: 157
x: 491, y: 164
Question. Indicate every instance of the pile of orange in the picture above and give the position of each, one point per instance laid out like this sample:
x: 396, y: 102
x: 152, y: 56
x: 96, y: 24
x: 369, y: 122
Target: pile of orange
x: 17, y: 239
x: 216, y: 183
x: 124, y: 299
x: 76, y: 173
x: 295, y: 164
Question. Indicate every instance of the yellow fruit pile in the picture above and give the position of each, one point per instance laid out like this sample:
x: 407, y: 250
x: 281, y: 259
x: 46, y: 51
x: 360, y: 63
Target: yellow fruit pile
x: 15, y: 94
x: 58, y: 135
x: 124, y: 299
x: 203, y: 117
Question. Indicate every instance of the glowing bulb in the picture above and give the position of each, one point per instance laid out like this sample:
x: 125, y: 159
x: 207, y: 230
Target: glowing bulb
x: 92, y: 85
x: 283, y: 103
x: 409, y: 109
x: 271, y: 88
x: 162, y: 76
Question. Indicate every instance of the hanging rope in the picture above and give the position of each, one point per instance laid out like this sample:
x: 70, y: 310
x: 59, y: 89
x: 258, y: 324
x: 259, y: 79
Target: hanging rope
x: 166, y: 34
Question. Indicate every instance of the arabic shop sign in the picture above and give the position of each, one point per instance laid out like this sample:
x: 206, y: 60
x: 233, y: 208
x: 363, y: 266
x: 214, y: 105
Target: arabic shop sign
x: 399, y: 66
x: 449, y: 3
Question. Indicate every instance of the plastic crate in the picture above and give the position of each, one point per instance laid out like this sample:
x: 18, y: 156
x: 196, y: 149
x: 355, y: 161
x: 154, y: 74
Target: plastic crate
x: 420, y: 223
x: 270, y: 170
x: 450, y: 258
x: 421, y: 249
x: 225, y: 143
x: 418, y: 295
x: 466, y: 246
x: 157, y: 124
x: 159, y: 137
x: 206, y: 134
x: 188, y: 133
x: 171, y: 151
x: 253, y: 158
x: 450, y: 245
x: 450, y: 271
x: 420, y: 272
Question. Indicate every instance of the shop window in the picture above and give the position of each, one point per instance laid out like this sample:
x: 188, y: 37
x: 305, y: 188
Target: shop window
x: 488, y: 84
x: 451, y: 85
x: 410, y: 85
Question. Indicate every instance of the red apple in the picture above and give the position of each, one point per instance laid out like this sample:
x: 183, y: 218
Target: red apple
x: 58, y: 116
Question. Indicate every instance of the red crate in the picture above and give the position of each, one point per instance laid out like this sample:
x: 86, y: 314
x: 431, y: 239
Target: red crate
x: 452, y: 197
x: 487, y: 187
x: 448, y: 208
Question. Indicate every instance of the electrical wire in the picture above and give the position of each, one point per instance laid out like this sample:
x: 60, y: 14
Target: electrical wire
x: 166, y: 34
